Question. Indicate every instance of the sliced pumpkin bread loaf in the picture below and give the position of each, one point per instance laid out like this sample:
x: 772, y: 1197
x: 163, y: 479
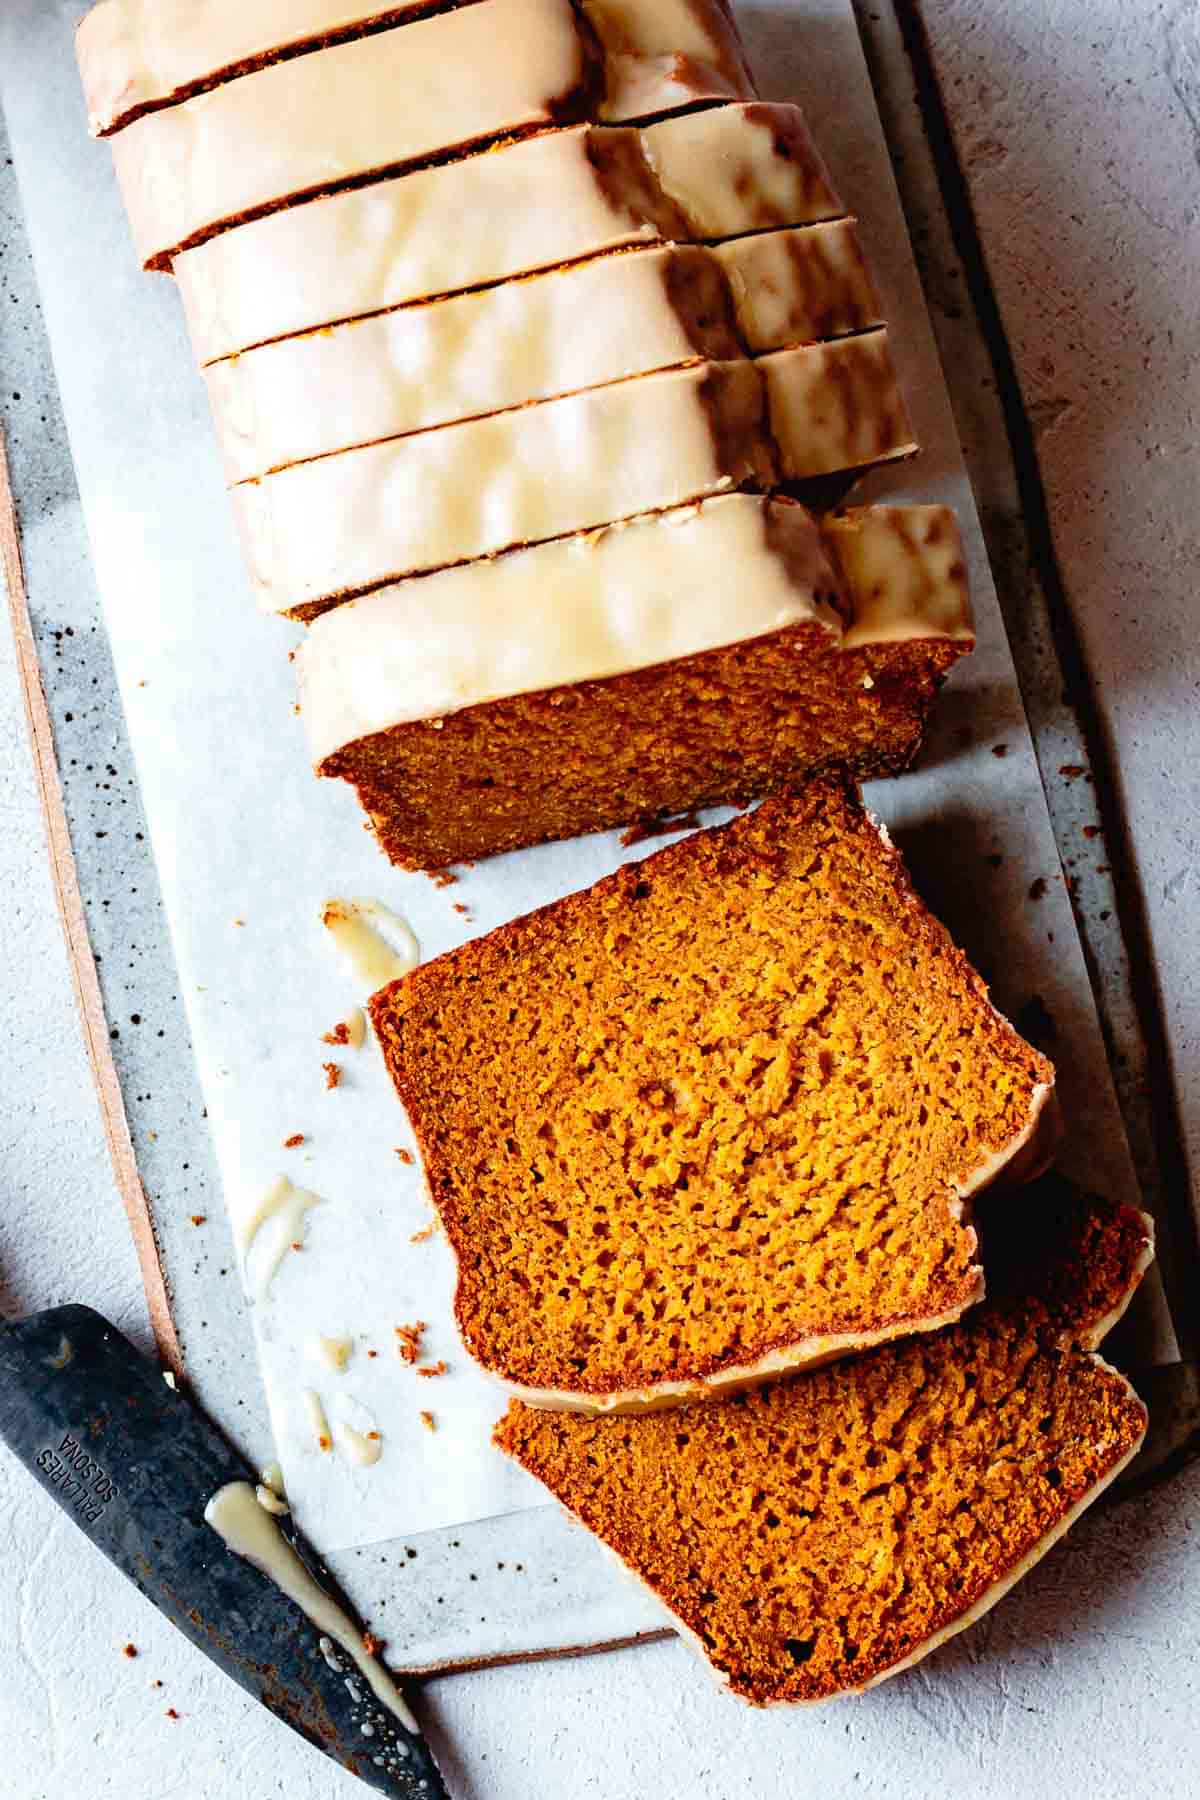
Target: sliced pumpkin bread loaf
x: 823, y: 1533
x: 715, y: 1117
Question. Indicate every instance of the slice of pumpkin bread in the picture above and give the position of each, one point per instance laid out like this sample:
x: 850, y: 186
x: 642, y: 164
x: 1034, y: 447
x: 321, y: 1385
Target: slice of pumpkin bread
x: 701, y: 656
x: 826, y: 1532
x: 714, y: 1117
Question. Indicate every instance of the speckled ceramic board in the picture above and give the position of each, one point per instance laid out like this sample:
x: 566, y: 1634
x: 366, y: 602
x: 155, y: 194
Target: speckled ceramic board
x: 445, y: 1547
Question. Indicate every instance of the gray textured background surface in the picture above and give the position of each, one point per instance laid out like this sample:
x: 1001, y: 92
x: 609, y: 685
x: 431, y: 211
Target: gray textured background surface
x: 1080, y: 126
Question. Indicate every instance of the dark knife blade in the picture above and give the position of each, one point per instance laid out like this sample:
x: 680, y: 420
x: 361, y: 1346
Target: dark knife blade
x: 134, y: 1464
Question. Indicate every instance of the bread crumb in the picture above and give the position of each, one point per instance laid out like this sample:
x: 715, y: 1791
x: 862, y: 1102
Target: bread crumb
x: 428, y: 1421
x: 429, y: 1369
x: 239, y: 921
x: 324, y: 1442
x: 171, y: 1713
x: 406, y: 1156
x: 296, y: 1245
x: 371, y: 1644
x: 443, y: 878
x: 333, y: 1074
x: 130, y: 1650
x: 297, y: 1137
x: 351, y: 1030
x: 373, y: 1436
x: 408, y: 1340
x: 372, y: 1353
x: 199, y: 1218
x: 460, y: 908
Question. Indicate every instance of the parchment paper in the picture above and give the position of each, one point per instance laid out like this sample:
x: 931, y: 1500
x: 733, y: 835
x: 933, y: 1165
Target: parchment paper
x: 248, y: 844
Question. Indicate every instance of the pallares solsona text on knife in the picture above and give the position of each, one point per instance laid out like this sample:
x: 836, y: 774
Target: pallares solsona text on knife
x: 81, y: 1481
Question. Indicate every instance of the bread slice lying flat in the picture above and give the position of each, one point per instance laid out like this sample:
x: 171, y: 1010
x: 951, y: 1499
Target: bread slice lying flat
x: 713, y: 1118
x: 824, y: 1533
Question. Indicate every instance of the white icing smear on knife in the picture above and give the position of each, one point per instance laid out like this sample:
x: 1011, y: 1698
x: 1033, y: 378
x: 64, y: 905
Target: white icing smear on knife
x: 377, y: 956
x: 250, y: 1531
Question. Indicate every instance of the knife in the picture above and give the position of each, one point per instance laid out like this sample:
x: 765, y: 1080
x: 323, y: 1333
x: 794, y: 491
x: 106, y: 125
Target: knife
x: 161, y: 1493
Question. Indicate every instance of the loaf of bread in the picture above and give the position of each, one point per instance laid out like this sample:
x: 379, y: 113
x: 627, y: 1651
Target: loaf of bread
x: 490, y: 281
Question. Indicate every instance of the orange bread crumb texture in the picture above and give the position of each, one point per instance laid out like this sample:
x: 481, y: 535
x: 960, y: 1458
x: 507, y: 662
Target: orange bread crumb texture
x: 815, y: 1534
x: 713, y: 1110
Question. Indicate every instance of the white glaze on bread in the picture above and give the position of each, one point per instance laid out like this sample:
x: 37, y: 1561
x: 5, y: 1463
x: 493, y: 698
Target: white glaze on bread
x: 529, y: 205
x: 584, y: 608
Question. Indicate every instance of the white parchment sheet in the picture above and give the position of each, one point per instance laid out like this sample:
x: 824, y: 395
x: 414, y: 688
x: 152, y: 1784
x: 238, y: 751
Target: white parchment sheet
x: 248, y: 844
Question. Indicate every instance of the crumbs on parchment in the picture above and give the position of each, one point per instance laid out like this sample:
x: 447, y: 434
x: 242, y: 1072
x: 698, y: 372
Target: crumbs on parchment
x: 290, y: 1143
x: 408, y: 1340
x: 429, y: 1369
x: 333, y: 1074
x: 339, y: 1035
x: 428, y: 1421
